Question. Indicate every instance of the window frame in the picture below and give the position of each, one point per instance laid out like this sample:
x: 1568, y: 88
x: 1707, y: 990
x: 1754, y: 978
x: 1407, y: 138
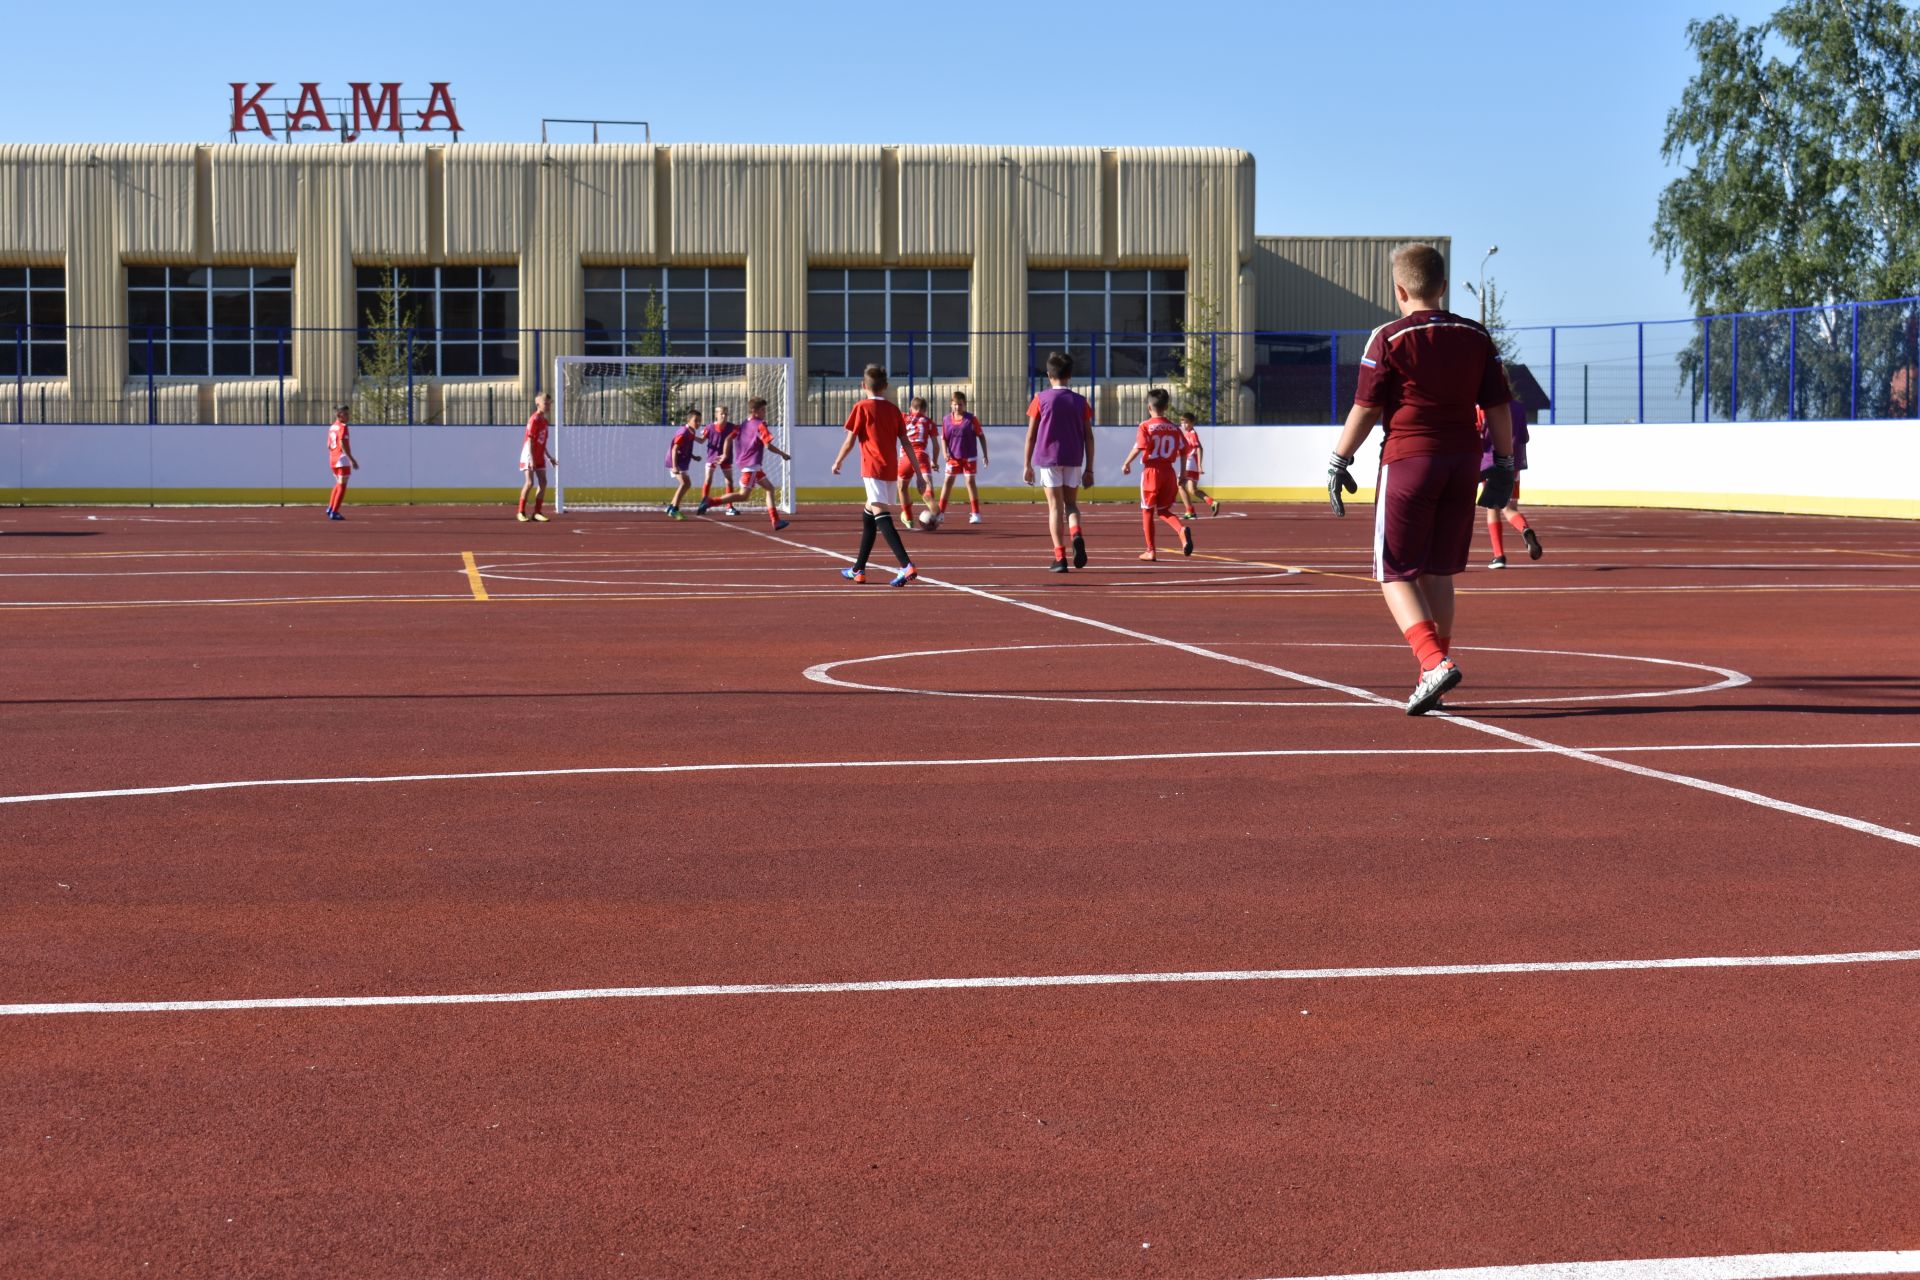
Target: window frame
x: 25, y: 344
x: 633, y: 311
x: 1163, y: 350
x: 490, y: 343
x: 160, y: 340
x: 890, y: 339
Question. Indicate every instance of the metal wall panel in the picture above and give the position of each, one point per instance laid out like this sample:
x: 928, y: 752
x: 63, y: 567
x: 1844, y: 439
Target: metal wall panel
x: 33, y: 203
x: 1328, y: 282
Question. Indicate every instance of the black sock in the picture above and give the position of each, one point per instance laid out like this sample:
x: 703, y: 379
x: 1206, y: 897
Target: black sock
x: 892, y: 535
x: 867, y: 526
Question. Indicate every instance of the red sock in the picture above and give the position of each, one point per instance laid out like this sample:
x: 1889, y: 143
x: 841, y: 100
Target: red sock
x: 1059, y: 553
x: 1073, y: 527
x: 943, y: 504
x: 1174, y: 520
x: 339, y: 492
x: 973, y: 505
x: 1425, y: 639
x: 1146, y: 522
x: 706, y: 491
x: 1518, y: 519
x: 1446, y: 644
x: 1496, y: 534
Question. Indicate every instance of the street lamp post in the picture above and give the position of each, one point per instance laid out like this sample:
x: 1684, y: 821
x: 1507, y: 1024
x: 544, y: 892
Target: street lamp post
x: 1482, y: 294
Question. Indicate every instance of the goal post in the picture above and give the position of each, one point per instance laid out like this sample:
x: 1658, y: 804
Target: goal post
x: 614, y: 418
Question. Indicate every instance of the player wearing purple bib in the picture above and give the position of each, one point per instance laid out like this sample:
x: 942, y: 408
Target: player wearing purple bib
x: 1060, y: 451
x: 720, y: 441
x: 755, y: 440
x: 680, y: 460
x: 960, y: 433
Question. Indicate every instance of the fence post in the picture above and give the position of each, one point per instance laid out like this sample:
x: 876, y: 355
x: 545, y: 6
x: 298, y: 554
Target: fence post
x: 1553, y: 376
x: 1706, y: 369
x: 1733, y: 380
x: 911, y: 388
x: 150, y: 390
x: 1213, y: 377
x: 1033, y: 353
x: 536, y: 361
x: 1640, y: 363
x: 409, y: 377
x: 1333, y: 376
x: 280, y: 371
x: 1793, y: 362
x: 1853, y: 368
x: 20, y: 374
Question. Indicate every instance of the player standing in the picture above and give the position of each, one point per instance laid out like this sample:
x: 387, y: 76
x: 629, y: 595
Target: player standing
x: 340, y: 460
x: 1513, y: 515
x: 1059, y: 450
x: 1160, y: 446
x: 1423, y: 374
x: 534, y: 458
x: 960, y: 433
x: 877, y: 426
x: 680, y: 461
x: 1190, y: 467
x: 918, y: 452
x: 755, y: 440
x: 720, y: 438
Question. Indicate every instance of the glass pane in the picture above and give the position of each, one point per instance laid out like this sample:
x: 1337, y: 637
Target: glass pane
x: 415, y: 280
x: 687, y: 344
x: 49, y: 277
x: 1046, y: 312
x: 232, y: 278
x: 187, y: 277
x: 687, y: 309
x: 1046, y: 280
x: 908, y: 278
x: 686, y: 277
x: 826, y: 280
x: 826, y: 312
x: 1131, y: 281
x: 273, y: 278
x: 232, y: 310
x: 459, y: 277
x: 949, y: 313
x: 187, y: 309
x: 146, y: 277
x: 499, y: 277
x: 726, y: 277
x: 603, y: 317
x: 363, y: 277
x: 48, y: 360
x: 10, y: 357
x: 184, y: 359
x: 136, y: 357
x: 1087, y: 281
x: 866, y: 313
x: 1086, y: 313
x: 272, y: 309
x: 1127, y: 361
x: 909, y: 313
x: 869, y: 280
x: 13, y: 311
x: 862, y: 354
x: 460, y: 359
x: 232, y: 359
x: 1129, y: 313
x: 826, y: 360
x: 500, y: 312
x: 460, y: 311
x: 1169, y: 309
x: 1165, y: 360
x: 16, y: 277
x: 266, y: 358
x: 726, y: 311
x: 949, y: 361
x: 953, y: 281
x: 1172, y: 281
x: 734, y: 349
x: 502, y: 359
x: 600, y: 278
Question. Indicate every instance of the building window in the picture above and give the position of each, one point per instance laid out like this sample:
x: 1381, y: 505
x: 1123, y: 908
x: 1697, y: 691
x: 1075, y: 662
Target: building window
x: 911, y: 321
x: 196, y: 322
x: 698, y: 311
x: 1115, y: 324
x: 458, y: 322
x: 33, y: 321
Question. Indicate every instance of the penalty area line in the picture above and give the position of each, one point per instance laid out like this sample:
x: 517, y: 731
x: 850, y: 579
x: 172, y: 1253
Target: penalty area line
x: 1011, y: 982
x: 1747, y: 1266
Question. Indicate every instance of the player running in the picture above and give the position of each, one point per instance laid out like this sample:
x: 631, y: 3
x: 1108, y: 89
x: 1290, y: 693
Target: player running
x: 877, y: 426
x: 962, y: 438
x: 1161, y: 447
x: 919, y: 450
x: 1513, y: 515
x: 1190, y: 467
x: 680, y: 461
x: 755, y: 439
x: 1423, y: 374
x: 1059, y: 451
x: 340, y: 460
x: 534, y: 459
x: 720, y: 441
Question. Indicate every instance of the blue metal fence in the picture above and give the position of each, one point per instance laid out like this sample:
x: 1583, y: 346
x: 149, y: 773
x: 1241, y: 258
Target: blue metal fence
x: 1849, y: 360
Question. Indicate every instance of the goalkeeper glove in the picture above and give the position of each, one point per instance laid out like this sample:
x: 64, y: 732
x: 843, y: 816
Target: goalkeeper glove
x: 1496, y: 489
x: 1338, y: 479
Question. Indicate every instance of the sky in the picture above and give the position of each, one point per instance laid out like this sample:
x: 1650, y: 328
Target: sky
x: 1534, y: 126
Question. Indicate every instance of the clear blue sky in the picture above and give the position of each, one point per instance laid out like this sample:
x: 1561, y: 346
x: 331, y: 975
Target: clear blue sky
x: 1532, y: 125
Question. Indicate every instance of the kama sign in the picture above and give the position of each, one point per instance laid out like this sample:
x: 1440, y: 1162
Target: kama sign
x: 361, y: 111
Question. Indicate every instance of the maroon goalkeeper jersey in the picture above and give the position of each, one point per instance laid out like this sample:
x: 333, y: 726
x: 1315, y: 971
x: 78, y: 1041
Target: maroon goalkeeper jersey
x: 1428, y: 373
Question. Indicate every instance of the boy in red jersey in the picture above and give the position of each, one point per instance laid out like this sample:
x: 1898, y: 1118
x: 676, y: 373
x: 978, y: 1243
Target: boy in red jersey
x: 1060, y: 451
x: 1160, y: 446
x: 722, y: 435
x: 680, y: 460
x: 534, y: 459
x: 340, y: 460
x: 1512, y: 514
x: 920, y: 449
x: 962, y: 438
x: 1190, y: 467
x: 876, y: 425
x: 754, y: 441
x: 1424, y: 373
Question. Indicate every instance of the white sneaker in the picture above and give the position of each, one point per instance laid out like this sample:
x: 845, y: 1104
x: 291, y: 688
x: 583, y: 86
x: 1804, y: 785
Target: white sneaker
x: 1498, y: 562
x: 975, y: 519
x: 1436, y: 681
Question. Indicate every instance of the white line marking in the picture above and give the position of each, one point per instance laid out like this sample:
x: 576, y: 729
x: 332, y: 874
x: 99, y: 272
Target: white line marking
x: 1751, y: 1266
x: 1010, y: 982
x: 1541, y: 744
x: 734, y: 766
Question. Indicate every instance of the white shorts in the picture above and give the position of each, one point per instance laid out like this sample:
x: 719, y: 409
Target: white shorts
x: 1061, y: 477
x: 881, y: 492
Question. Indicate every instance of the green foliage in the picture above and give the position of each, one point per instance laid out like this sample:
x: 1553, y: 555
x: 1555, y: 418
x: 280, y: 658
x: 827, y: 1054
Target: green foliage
x: 1799, y: 144
x: 382, y: 389
x: 1201, y: 362
x: 654, y: 393
x: 1503, y: 339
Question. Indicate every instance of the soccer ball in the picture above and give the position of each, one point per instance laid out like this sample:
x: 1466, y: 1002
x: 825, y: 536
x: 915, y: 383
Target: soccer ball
x: 929, y: 520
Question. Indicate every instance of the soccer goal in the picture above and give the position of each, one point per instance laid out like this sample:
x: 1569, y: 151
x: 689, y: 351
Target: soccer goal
x: 614, y: 418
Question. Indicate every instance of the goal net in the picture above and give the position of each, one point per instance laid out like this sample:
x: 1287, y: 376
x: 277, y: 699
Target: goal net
x: 614, y: 418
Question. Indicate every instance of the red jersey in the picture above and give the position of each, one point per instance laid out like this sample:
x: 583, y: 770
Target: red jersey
x: 337, y: 447
x: 535, y: 448
x: 1192, y: 436
x: 1161, y: 446
x: 919, y: 432
x: 877, y: 423
x: 1427, y: 373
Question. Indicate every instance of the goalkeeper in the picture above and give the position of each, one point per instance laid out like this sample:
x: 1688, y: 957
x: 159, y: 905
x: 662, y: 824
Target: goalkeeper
x: 1424, y: 374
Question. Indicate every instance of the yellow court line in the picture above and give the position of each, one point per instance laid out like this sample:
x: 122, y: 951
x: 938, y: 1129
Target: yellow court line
x: 473, y: 576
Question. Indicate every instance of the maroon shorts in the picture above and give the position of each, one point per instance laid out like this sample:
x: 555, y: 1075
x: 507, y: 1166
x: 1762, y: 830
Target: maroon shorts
x: 1423, y: 516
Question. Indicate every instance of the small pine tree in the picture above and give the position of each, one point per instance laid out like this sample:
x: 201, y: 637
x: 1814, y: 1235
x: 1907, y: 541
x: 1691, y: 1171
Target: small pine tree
x: 1503, y: 339
x: 654, y: 393
x: 1198, y: 383
x: 383, y: 357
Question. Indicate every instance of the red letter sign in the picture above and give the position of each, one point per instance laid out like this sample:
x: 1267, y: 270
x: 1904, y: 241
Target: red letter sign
x: 241, y: 107
x: 309, y: 107
x: 368, y: 112
x: 440, y: 103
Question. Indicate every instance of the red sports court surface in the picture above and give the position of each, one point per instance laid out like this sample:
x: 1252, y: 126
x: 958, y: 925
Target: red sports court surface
x: 435, y: 895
